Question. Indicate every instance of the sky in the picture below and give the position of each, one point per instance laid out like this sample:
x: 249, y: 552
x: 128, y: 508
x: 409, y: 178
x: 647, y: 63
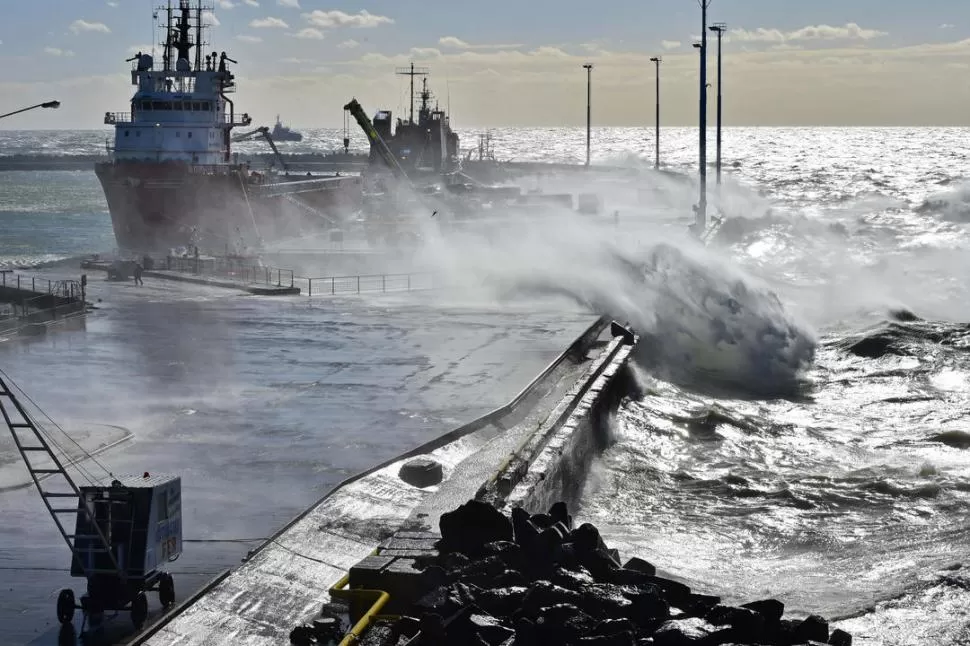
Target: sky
x: 515, y: 62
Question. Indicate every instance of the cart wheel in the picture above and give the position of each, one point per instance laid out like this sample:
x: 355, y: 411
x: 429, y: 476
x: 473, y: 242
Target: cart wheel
x: 139, y: 610
x: 65, y: 606
x: 166, y: 590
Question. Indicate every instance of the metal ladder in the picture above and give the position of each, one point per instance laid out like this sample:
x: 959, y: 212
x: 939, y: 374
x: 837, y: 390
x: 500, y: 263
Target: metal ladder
x: 30, y: 441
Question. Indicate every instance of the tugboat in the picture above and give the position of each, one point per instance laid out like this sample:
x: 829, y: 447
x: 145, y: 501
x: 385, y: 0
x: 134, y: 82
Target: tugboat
x: 171, y: 180
x: 282, y: 133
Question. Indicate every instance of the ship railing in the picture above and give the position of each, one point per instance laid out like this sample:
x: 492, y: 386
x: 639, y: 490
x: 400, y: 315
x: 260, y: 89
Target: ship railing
x: 370, y: 283
x: 112, y: 118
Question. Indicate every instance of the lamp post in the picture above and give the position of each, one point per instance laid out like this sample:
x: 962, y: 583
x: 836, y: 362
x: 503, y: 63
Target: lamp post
x: 719, y: 28
x: 589, y: 97
x: 656, y: 60
x: 701, y: 218
x: 47, y: 104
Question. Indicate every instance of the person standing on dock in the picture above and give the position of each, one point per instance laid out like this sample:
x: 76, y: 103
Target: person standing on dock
x: 137, y: 272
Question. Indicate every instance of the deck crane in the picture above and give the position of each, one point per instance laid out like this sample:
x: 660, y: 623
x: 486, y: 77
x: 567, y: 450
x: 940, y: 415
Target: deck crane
x: 264, y: 131
x: 124, y: 527
x: 355, y: 109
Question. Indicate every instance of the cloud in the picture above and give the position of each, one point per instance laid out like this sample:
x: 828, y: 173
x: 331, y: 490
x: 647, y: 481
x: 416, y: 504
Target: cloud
x: 210, y: 19
x: 308, y: 33
x: 294, y: 61
x: 83, y: 25
x: 225, y: 4
x: 348, y: 44
x: 946, y: 25
x: 249, y: 39
x: 291, y: 4
x: 670, y: 44
x: 268, y: 23
x: 425, y: 52
x: 54, y: 51
x: 112, y: 3
x: 850, y: 31
x: 453, y: 42
x: 335, y: 18
x: 144, y: 49
x: 251, y: 3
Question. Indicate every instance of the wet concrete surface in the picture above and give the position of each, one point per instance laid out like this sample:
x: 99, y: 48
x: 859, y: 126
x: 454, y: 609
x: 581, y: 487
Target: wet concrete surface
x: 260, y: 404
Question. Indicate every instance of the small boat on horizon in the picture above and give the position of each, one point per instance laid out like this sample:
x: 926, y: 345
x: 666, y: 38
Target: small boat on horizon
x: 283, y: 133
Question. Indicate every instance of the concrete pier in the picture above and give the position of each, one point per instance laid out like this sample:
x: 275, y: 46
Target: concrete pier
x: 284, y: 581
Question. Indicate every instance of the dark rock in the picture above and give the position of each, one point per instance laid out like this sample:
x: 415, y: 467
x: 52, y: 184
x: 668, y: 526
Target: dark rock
x: 813, y: 628
x: 648, y: 609
x: 613, y: 626
x: 698, y: 605
x: 511, y: 554
x: 472, y: 526
x: 615, y: 555
x: 785, y: 632
x: 526, y: 534
x: 770, y: 609
x: 623, y: 576
x: 599, y: 563
x: 574, y: 580
x: 675, y: 592
x: 544, y: 594
x: 606, y: 600
x: 501, y: 602
x: 586, y: 539
x: 453, y: 561
x: 748, y: 625
x: 542, y: 521
x: 432, y: 628
x: 526, y: 633
x: 325, y: 628
x: 560, y: 514
x: 615, y: 639
x: 490, y: 630
x: 421, y: 472
x: 562, y: 623
x: 640, y: 565
x: 302, y: 636
x: 443, y: 600
x: 684, y: 632
x: 840, y: 638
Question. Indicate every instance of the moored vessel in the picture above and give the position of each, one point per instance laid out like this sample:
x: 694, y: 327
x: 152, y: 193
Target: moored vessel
x: 171, y: 180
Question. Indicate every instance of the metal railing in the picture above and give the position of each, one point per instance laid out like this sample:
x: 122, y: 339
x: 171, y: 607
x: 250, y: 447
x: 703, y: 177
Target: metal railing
x: 50, y: 299
x: 241, y: 270
x: 372, y: 283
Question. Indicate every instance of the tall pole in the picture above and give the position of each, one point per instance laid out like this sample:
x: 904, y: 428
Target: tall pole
x: 589, y: 101
x: 701, y: 218
x: 719, y: 28
x: 656, y: 164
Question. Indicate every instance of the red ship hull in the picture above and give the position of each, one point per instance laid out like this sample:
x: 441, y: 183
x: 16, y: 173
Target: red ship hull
x: 159, y: 206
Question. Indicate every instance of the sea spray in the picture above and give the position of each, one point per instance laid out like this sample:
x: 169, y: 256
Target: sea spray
x: 703, y: 322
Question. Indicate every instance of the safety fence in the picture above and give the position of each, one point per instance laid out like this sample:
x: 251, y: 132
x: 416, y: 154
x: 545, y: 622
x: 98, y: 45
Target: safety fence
x: 231, y: 268
x: 333, y: 285
x: 28, y: 299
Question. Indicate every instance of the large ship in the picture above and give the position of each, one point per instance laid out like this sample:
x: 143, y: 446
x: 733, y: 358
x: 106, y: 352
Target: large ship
x: 171, y: 180
x: 283, y: 133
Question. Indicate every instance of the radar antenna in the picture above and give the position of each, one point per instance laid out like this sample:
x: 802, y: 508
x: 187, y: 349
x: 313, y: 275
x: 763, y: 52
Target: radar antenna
x: 412, y: 72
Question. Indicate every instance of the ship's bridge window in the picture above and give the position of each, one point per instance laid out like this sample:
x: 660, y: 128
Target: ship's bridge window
x: 190, y: 134
x: 197, y: 106
x: 127, y: 132
x: 146, y: 105
x: 161, y: 105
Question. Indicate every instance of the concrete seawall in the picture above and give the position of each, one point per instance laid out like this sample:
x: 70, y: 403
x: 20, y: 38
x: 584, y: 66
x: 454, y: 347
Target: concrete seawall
x: 283, y: 583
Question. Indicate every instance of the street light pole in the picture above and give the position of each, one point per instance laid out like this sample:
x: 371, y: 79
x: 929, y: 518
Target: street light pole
x: 48, y: 104
x: 701, y: 218
x: 719, y: 28
x: 656, y: 60
x: 589, y: 99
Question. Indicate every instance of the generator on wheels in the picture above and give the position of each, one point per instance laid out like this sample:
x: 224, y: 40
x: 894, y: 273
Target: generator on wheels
x: 119, y: 530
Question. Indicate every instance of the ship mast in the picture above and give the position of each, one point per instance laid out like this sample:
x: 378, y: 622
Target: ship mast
x: 412, y: 72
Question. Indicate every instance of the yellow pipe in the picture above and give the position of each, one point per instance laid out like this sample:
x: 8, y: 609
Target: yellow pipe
x: 380, y: 599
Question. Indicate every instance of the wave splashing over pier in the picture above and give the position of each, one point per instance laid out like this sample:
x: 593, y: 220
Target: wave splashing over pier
x: 705, y: 323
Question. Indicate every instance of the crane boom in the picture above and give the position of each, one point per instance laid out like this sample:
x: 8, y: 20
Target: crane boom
x: 385, y: 153
x: 264, y: 131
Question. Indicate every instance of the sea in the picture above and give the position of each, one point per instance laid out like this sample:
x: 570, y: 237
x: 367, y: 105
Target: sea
x: 801, y: 427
